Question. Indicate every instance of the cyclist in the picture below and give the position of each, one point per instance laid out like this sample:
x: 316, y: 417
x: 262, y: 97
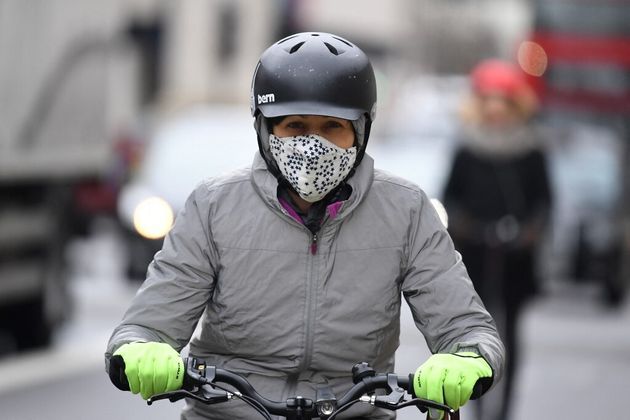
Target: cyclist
x: 295, y: 267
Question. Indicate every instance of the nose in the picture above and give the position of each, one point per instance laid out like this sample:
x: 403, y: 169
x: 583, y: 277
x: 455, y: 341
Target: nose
x: 315, y: 132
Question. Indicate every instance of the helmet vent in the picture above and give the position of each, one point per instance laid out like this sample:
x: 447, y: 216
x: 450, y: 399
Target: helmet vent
x: 287, y: 38
x: 331, y: 48
x: 343, y: 40
x: 296, y: 47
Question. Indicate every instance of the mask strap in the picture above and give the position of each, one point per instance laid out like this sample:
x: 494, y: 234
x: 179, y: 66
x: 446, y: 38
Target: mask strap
x: 359, y: 130
x: 262, y: 134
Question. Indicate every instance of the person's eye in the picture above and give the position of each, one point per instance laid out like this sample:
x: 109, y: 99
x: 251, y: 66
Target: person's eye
x: 332, y: 124
x: 295, y: 125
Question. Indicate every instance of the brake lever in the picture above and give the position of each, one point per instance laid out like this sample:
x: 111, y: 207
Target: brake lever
x: 414, y: 403
x: 171, y: 396
x: 395, y: 399
x: 205, y: 394
x: 423, y: 405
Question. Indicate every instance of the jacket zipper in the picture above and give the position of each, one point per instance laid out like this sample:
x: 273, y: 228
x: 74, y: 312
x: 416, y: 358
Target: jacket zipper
x: 314, y: 244
x: 308, y: 340
x: 310, y: 305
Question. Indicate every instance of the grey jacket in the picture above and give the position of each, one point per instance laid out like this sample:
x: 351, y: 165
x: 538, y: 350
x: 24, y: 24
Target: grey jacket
x: 236, y: 263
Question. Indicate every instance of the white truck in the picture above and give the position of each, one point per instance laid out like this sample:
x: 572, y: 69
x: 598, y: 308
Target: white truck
x: 56, y: 64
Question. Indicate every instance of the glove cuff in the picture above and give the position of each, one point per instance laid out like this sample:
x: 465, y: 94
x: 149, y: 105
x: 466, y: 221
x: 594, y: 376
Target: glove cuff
x: 117, y: 373
x: 483, y: 384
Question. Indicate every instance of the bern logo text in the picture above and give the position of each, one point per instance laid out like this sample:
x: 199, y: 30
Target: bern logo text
x: 265, y: 99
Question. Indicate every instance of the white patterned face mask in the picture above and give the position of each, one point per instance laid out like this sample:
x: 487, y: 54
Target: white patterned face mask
x: 313, y: 165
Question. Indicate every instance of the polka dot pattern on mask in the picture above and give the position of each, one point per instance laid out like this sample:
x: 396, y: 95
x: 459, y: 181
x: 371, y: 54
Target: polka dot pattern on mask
x: 313, y: 165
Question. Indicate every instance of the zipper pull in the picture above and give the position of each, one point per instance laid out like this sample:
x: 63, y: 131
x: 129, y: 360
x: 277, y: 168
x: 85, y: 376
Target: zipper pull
x: 314, y: 244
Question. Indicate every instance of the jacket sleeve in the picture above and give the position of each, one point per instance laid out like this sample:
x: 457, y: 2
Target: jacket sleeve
x: 443, y: 301
x: 179, y: 283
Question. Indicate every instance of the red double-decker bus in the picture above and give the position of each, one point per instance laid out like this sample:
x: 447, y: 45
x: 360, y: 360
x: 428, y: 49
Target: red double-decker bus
x: 578, y: 57
x: 586, y: 44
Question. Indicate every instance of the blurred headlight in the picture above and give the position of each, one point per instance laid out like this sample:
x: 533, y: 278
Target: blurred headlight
x: 153, y: 218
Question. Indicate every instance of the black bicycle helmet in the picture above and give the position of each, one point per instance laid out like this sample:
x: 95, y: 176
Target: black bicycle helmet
x: 313, y: 73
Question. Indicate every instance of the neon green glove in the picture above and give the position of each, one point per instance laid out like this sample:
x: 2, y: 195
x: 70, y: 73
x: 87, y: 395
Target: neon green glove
x: 152, y: 368
x: 450, y: 377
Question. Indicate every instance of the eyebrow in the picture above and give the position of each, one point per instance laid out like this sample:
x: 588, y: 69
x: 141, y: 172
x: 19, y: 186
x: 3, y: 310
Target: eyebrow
x: 305, y: 116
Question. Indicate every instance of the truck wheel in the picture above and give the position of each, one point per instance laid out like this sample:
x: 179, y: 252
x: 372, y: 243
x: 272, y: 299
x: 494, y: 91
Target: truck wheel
x: 23, y: 326
x: 35, y: 332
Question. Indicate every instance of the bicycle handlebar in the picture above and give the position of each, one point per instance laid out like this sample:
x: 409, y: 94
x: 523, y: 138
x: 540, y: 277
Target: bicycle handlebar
x: 366, y: 385
x: 201, y: 383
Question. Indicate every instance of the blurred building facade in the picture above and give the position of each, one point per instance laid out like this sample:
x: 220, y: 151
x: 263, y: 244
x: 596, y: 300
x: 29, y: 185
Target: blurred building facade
x: 402, y: 36
x: 104, y: 63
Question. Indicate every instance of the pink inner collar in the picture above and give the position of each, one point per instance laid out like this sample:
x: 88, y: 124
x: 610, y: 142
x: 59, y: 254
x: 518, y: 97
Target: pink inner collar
x: 331, y: 209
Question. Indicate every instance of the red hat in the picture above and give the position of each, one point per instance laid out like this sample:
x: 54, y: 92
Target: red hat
x: 497, y: 76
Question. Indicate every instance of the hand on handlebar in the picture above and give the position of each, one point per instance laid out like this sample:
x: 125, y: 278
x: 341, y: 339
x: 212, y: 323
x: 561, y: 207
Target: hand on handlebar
x: 450, y: 379
x: 202, y: 383
x: 151, y: 368
x: 156, y: 371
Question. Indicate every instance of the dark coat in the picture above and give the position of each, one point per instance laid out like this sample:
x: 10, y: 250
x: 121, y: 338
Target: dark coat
x: 498, y: 208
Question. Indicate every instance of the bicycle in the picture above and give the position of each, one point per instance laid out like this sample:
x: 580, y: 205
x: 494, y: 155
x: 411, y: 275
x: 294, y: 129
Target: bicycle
x: 201, y: 383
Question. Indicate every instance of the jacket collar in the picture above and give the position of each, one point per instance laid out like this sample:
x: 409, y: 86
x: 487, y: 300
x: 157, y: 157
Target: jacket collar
x: 266, y: 184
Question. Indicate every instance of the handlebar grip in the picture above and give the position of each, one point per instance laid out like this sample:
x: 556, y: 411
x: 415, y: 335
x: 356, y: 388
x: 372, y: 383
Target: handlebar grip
x: 117, y: 373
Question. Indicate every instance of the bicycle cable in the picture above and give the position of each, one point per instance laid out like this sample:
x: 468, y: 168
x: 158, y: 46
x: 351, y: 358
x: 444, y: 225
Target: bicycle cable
x: 246, y: 399
x: 343, y: 408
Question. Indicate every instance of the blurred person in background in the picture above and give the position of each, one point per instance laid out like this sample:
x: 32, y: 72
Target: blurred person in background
x: 295, y: 267
x: 498, y: 196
